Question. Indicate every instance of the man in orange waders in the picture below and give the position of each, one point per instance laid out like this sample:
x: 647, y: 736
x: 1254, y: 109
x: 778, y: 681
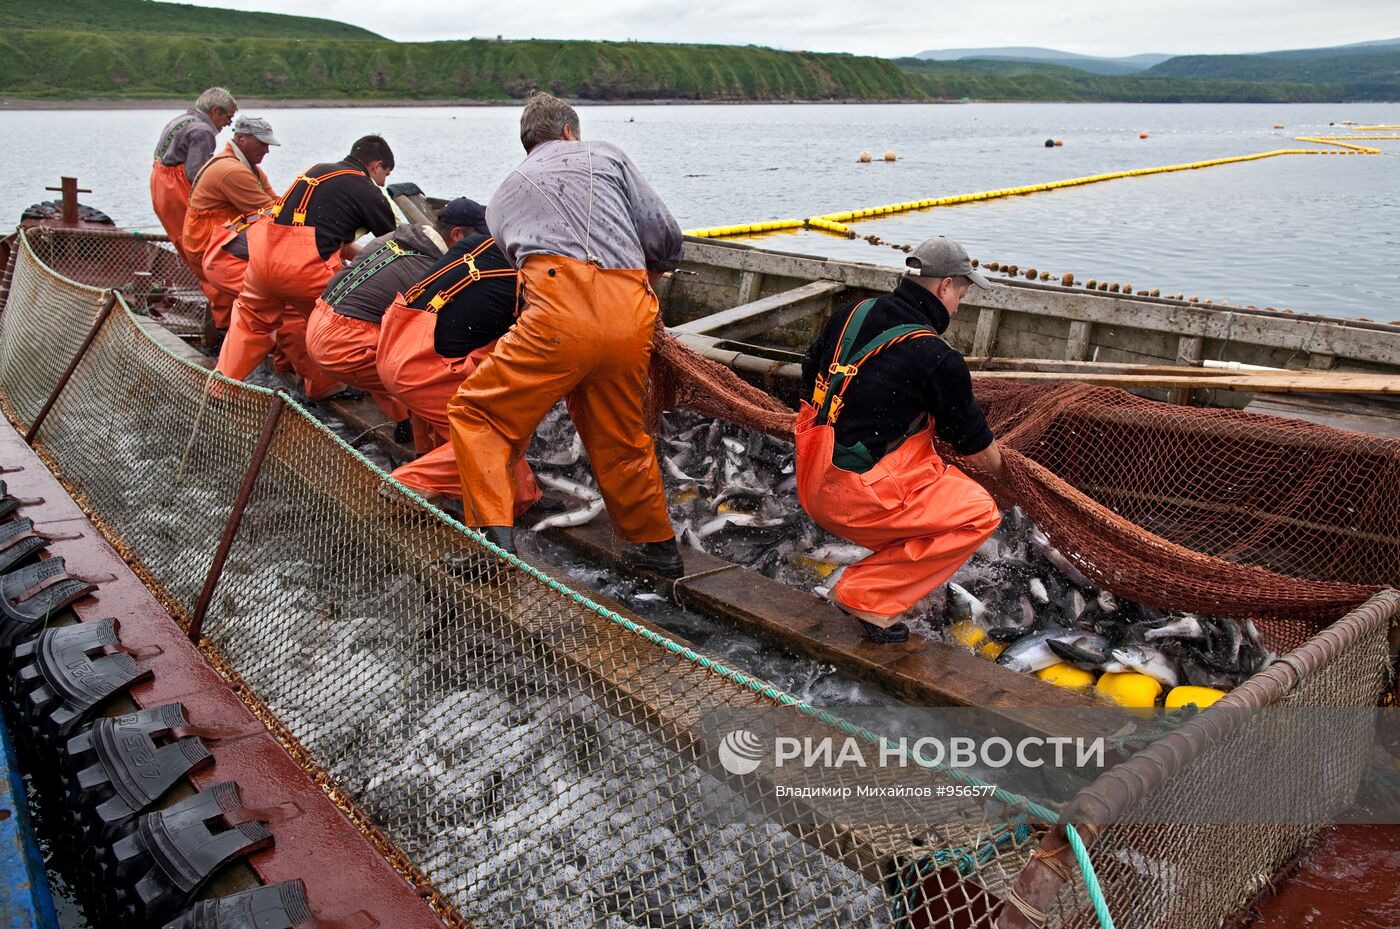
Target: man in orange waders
x: 588, y: 235
x: 342, y: 335
x: 292, y: 256
x: 185, y: 144
x: 229, y: 186
x: 436, y: 333
x: 882, y: 383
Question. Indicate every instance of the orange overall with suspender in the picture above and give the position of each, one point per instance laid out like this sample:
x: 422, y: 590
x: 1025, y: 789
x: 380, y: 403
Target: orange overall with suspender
x: 920, y: 517
x: 424, y: 381
x: 170, y: 187
x: 202, y: 226
x: 285, y: 275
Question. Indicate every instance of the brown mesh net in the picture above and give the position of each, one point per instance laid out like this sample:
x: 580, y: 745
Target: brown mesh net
x: 1213, y: 511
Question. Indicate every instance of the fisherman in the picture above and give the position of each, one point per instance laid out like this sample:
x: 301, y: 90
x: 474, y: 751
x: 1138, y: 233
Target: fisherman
x: 292, y: 256
x: 883, y: 383
x: 185, y: 144
x: 230, y: 185
x: 435, y: 334
x: 590, y: 239
x: 342, y: 335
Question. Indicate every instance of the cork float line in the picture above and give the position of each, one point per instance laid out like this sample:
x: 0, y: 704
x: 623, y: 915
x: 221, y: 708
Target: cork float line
x: 838, y: 223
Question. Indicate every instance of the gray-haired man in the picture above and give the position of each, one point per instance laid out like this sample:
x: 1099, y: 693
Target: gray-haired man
x: 185, y: 144
x: 588, y: 235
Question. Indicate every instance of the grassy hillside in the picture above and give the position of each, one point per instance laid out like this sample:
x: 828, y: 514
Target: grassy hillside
x: 988, y: 79
x: 1371, y: 73
x: 108, y: 16
x: 66, y: 64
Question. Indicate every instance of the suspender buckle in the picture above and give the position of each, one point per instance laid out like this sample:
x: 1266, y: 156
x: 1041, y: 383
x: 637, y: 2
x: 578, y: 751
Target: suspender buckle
x: 819, y: 390
x: 436, y: 303
x: 470, y: 262
x: 847, y: 370
x: 835, y: 411
x: 298, y: 217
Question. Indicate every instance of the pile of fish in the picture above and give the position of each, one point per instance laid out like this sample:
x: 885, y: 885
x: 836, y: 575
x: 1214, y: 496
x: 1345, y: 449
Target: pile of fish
x: 733, y: 493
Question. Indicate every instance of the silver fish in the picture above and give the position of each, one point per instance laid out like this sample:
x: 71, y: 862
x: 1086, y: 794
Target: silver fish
x: 733, y: 445
x: 564, y: 485
x: 1187, y: 627
x: 1145, y: 660
x: 579, y: 517
x: 839, y: 553
x: 1041, y: 543
x: 564, y: 457
x: 1107, y: 602
x: 1085, y: 650
x: 739, y: 492
x: 737, y: 520
x: 964, y: 605
x: 675, y: 471
x: 1038, y: 592
x: 1031, y: 653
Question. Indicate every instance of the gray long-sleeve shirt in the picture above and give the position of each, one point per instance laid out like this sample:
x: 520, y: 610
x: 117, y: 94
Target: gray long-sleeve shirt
x: 630, y: 227
x: 188, y: 139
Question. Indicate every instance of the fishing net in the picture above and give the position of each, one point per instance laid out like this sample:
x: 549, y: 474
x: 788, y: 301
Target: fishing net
x: 525, y: 755
x: 1219, y: 512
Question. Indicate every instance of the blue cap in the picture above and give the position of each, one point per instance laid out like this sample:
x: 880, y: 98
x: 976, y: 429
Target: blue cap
x: 463, y: 212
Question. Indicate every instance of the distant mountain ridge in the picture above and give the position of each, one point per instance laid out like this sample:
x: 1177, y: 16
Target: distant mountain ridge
x: 1130, y: 64
x: 1360, y: 71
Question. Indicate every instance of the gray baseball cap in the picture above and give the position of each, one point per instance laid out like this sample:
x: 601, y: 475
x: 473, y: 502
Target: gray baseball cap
x: 257, y: 127
x: 940, y: 256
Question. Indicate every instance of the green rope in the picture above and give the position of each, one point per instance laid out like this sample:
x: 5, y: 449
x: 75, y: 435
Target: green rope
x: 1091, y: 880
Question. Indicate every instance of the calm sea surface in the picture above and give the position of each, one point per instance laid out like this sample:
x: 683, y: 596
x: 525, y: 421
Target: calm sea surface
x: 1317, y: 234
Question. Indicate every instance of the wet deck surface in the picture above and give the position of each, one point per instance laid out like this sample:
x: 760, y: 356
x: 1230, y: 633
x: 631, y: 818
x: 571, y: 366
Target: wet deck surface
x: 1350, y: 878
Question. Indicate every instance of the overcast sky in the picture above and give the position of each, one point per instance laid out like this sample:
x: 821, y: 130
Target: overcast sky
x: 888, y: 28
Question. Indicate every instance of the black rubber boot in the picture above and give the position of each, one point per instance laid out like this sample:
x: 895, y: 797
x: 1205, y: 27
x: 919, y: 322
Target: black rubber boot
x: 403, y: 432
x: 500, y: 536
x: 663, y: 558
x: 881, y: 635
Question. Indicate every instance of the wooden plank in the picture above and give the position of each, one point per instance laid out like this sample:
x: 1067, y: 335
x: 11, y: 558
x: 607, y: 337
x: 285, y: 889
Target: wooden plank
x: 1188, y: 352
x: 1077, y: 348
x: 984, y: 342
x: 412, y: 211
x: 780, y: 264
x: 749, y: 284
x: 1259, y: 381
x: 750, y: 319
x: 924, y: 672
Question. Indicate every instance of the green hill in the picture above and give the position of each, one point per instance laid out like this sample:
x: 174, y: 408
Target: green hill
x: 74, y: 49
x: 69, y: 65
x: 1366, y: 73
x: 993, y: 79
x: 108, y: 16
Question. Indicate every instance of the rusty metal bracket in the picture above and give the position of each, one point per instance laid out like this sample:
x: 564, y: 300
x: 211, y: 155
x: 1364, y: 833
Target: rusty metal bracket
x: 107, y: 306
x: 245, y: 492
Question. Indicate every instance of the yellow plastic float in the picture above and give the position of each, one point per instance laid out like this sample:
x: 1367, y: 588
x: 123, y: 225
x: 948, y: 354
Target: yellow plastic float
x: 1067, y: 675
x: 1137, y: 692
x: 1201, y: 696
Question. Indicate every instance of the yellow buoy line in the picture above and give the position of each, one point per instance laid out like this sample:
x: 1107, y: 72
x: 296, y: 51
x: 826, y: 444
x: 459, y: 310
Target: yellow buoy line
x: 1371, y: 128
x: 1337, y: 140
x: 836, y: 223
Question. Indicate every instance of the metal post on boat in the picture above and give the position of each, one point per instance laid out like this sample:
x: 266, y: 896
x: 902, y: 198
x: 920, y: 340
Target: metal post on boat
x: 70, y: 190
x: 245, y: 492
x: 106, y: 311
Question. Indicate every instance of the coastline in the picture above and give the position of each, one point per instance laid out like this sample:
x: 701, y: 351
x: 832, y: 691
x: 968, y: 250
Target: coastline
x: 152, y: 103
